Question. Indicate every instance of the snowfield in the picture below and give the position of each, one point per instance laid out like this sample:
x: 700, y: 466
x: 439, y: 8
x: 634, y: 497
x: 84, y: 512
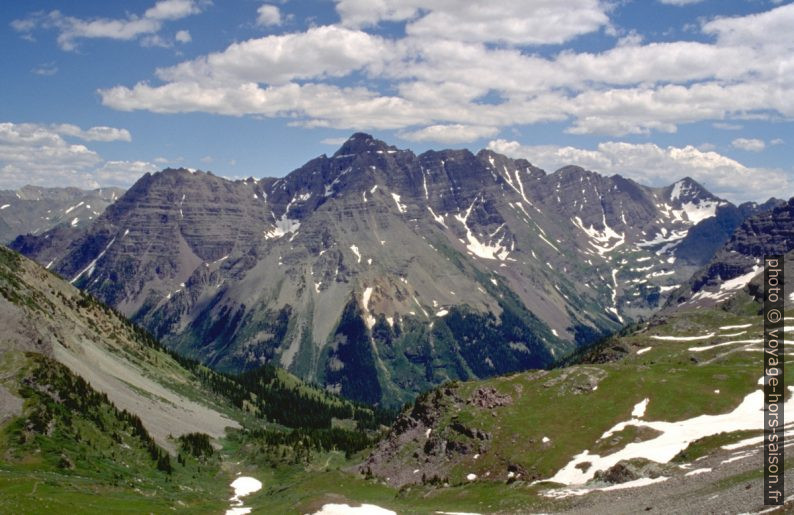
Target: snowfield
x: 674, y: 437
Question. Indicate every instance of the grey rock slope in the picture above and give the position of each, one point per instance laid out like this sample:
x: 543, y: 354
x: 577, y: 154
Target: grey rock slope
x: 380, y: 273
x: 41, y: 314
x: 34, y: 210
x: 740, y: 260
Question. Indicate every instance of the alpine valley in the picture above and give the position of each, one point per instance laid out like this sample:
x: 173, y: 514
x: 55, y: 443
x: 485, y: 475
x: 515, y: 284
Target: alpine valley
x: 378, y: 274
x: 96, y: 416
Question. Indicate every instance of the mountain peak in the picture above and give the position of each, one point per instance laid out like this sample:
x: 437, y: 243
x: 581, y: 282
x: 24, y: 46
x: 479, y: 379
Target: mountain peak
x: 688, y: 190
x: 360, y: 143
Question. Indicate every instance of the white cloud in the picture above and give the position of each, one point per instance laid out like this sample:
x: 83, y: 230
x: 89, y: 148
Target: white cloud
x: 440, y: 80
x: 455, y: 133
x: 653, y: 165
x: 750, y: 145
x: 526, y: 22
x: 754, y: 30
x: 45, y: 70
x: 326, y: 51
x: 333, y: 141
x: 100, y: 133
x: 183, y: 36
x: 121, y: 173
x: 726, y: 126
x: 39, y: 154
x: 172, y: 9
x: 680, y: 2
x: 268, y: 15
x: 146, y: 27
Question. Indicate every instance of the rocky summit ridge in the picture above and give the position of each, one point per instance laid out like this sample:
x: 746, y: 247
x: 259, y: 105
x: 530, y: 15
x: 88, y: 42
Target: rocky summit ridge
x: 380, y: 273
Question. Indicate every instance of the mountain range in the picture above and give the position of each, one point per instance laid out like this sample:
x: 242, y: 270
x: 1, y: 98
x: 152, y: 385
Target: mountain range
x: 379, y: 273
x: 33, y: 209
x: 97, y: 416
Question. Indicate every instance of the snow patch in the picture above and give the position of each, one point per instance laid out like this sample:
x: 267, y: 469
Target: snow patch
x: 724, y: 344
x: 368, y: 318
x: 568, y: 492
x: 639, y: 408
x: 90, y: 268
x: 437, y: 218
x: 697, y: 472
x: 476, y: 247
x: 683, y: 338
x: 729, y: 327
x: 346, y: 509
x: 674, y: 437
x: 282, y: 227
x: 400, y: 206
x: 243, y: 486
x: 73, y: 208
x: 354, y: 248
x: 696, y: 213
x: 601, y: 240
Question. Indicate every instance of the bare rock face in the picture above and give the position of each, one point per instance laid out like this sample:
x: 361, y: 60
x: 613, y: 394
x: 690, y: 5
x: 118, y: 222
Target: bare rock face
x: 379, y: 273
x: 487, y: 397
x: 421, y: 448
x: 735, y: 264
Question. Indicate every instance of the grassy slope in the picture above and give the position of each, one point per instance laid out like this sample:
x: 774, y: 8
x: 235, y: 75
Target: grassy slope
x: 562, y: 406
x: 559, y: 404
x: 47, y: 466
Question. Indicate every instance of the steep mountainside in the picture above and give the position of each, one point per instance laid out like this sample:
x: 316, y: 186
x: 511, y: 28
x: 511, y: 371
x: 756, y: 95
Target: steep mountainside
x: 41, y: 314
x: 673, y: 402
x: 380, y: 273
x: 34, y: 210
x: 96, y: 416
x: 741, y: 258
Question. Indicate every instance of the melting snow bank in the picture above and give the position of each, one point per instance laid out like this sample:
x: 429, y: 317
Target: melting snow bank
x: 568, y: 492
x: 674, y: 437
x: 344, y: 509
x: 729, y: 327
x: 683, y: 338
x: 723, y: 344
x: 243, y: 486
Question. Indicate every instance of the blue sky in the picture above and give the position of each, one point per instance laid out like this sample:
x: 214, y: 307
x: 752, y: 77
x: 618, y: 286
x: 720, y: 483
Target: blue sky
x: 96, y: 93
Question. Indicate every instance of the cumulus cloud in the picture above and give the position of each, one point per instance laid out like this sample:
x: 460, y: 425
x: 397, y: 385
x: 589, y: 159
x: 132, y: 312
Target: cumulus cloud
x: 526, y: 22
x: 455, y: 133
x: 680, y: 2
x: 183, y: 36
x: 268, y: 15
x: 326, y: 51
x: 40, y: 154
x: 71, y: 29
x: 749, y: 144
x: 653, y: 165
x: 437, y: 79
x: 333, y: 141
x: 100, y: 133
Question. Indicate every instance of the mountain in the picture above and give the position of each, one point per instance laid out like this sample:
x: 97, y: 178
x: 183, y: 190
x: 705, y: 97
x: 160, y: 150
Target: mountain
x: 379, y: 273
x: 34, y: 210
x: 672, y: 402
x: 97, y: 416
x: 741, y: 258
